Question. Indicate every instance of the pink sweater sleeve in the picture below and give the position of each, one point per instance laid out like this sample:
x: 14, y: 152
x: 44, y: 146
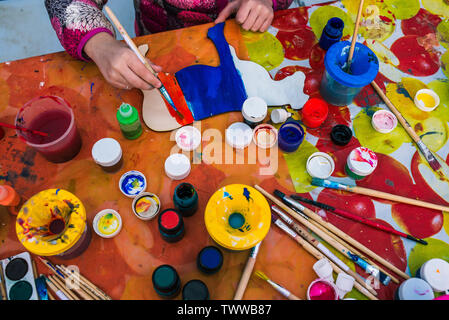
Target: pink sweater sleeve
x: 281, y: 4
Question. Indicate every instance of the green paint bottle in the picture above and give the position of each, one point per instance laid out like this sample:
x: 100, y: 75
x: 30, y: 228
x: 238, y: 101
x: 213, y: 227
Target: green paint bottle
x: 128, y: 119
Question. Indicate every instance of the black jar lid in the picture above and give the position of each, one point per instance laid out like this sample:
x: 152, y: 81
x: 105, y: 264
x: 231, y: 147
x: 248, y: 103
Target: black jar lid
x: 170, y: 221
x: 210, y: 260
x: 341, y: 134
x: 195, y: 290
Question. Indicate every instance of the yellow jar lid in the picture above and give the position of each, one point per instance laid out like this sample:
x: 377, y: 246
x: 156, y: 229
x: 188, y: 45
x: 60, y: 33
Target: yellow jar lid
x: 51, y: 222
x: 237, y: 217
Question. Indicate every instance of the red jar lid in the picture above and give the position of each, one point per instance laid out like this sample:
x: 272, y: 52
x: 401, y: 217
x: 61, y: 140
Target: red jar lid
x: 314, y: 112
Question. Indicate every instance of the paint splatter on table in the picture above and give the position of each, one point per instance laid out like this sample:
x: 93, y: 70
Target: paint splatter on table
x: 122, y: 266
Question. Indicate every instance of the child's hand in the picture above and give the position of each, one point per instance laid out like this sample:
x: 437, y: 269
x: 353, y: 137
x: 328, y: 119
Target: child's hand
x: 254, y: 15
x: 119, y: 64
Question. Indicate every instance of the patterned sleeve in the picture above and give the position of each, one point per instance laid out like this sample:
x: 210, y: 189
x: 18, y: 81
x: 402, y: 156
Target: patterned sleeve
x: 76, y: 21
x: 281, y: 4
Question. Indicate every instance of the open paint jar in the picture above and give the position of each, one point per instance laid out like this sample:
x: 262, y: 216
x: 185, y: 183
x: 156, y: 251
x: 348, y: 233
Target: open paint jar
x: 254, y: 111
x: 436, y: 273
x: 171, y: 225
x: 185, y: 199
x: 209, y: 260
x: 414, y: 289
x: 290, y: 136
x: 188, y: 138
x: 54, y: 116
x: 332, y: 33
x: 107, y: 153
x: 320, y: 165
x: 53, y: 223
x: 166, y: 281
x: 314, y: 112
x: 321, y: 289
x: 339, y: 87
x: 195, y: 290
x: 146, y: 205
x: 384, y: 121
x: 426, y: 100
x: 360, y: 163
x: 132, y: 183
x: 107, y: 223
x: 341, y: 135
x: 265, y: 136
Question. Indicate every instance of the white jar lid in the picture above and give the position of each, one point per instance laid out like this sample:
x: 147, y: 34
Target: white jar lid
x: 188, y: 138
x: 362, y: 161
x: 107, y: 226
x: 106, y: 152
x: 177, y: 166
x: 436, y: 273
x: 132, y: 183
x: 265, y: 136
x: 146, y: 205
x: 254, y: 109
x: 320, y: 165
x: 384, y: 121
x: 239, y: 135
x: 431, y: 95
x: 415, y: 289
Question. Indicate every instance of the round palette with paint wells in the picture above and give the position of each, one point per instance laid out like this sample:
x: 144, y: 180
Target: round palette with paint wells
x: 237, y: 217
x: 19, y: 277
x: 107, y: 223
x: 132, y: 183
x: 146, y: 205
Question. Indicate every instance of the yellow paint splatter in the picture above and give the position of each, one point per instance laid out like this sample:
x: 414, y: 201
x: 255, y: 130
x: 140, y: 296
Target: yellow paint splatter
x: 321, y: 15
x: 263, y: 49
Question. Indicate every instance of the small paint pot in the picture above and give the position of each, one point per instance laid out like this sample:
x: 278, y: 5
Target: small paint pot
x: 279, y: 115
x: 209, y: 260
x: 384, y: 121
x: 443, y: 297
x: 426, y: 100
x: 290, y: 136
x: 321, y: 289
x: 195, y: 290
x: 436, y: 273
x: 239, y: 135
x: 254, y: 111
x: 185, y: 199
x: 332, y: 33
x: 341, y: 135
x: 132, y: 183
x: 166, y: 281
x: 265, y: 136
x: 177, y: 166
x: 320, y: 165
x: 107, y: 153
x: 171, y: 225
x: 188, y: 138
x: 146, y: 205
x: 414, y: 289
x: 323, y: 269
x: 314, y: 112
x: 107, y: 223
x: 360, y: 163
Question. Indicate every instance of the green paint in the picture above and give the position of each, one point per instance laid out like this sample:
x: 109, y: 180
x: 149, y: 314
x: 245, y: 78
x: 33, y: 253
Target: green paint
x: 443, y: 33
x: 165, y: 278
x: 419, y: 254
x: 128, y: 119
x: 441, y: 88
x: 403, y: 9
x: 264, y: 49
x: 21, y: 290
x: 321, y: 15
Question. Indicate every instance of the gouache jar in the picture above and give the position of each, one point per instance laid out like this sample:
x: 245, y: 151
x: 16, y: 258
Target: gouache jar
x: 254, y: 111
x: 185, y: 199
x: 384, y: 121
x: 426, y: 100
x: 107, y: 223
x: 338, y: 87
x: 210, y: 260
x: 146, y: 205
x: 414, y: 289
x: 166, y: 281
x: 290, y: 136
x: 436, y: 273
x: 195, y: 290
x: 314, y: 112
x: 321, y: 289
x: 54, y: 116
x: 107, y: 153
x: 171, y: 225
x: 360, y: 163
x: 341, y: 135
x: 332, y: 33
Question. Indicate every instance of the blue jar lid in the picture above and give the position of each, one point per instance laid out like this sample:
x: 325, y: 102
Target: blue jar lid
x: 210, y: 260
x: 364, y: 65
x: 334, y: 27
x: 195, y: 290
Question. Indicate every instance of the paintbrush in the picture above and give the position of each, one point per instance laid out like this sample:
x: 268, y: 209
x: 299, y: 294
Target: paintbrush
x: 11, y: 126
x: 2, y: 284
x: 431, y: 159
x: 354, y: 37
x: 276, y: 286
x: 60, y: 292
x: 357, y: 218
x: 247, y: 272
x: 134, y: 48
x: 375, y: 193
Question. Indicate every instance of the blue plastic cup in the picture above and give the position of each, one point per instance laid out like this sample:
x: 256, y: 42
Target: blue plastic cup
x: 338, y: 87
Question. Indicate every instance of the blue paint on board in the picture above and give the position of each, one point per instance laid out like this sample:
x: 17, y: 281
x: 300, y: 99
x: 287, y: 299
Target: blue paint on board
x: 213, y: 90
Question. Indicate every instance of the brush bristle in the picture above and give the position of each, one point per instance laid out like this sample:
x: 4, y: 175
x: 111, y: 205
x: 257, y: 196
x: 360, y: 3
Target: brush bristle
x: 261, y: 275
x: 273, y: 217
x: 434, y: 164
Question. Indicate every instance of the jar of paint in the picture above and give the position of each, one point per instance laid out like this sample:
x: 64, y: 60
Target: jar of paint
x: 265, y: 136
x: 339, y: 87
x: 107, y: 153
x: 195, y: 290
x: 53, y: 116
x: 128, y: 119
x: 239, y: 135
x: 209, y: 260
x: 107, y: 223
x: 254, y: 111
x: 341, y: 134
x: 321, y: 289
x: 320, y: 165
x: 360, y: 163
x: 332, y: 32
x: 132, y: 183
x: 166, y: 281
x: 9, y: 198
x: 414, y: 289
x: 146, y: 205
x: 436, y: 273
x: 279, y: 115
x: 171, y: 225
x: 384, y: 121
x: 185, y: 199
x: 426, y: 100
x: 188, y: 138
x: 314, y: 112
x: 177, y: 166
x: 290, y: 136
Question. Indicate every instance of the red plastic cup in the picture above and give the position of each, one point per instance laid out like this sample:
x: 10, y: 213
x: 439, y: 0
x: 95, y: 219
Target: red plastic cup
x: 54, y: 116
x: 314, y: 112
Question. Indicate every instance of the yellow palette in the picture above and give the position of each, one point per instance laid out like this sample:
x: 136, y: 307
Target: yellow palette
x: 237, y: 217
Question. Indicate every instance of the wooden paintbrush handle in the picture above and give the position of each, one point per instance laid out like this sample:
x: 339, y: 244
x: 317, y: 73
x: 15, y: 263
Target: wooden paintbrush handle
x: 245, y: 278
x: 356, y: 31
x: 293, y: 297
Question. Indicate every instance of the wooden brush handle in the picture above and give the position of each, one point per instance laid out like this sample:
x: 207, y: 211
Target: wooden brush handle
x: 291, y: 296
x: 245, y: 278
x: 356, y: 31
